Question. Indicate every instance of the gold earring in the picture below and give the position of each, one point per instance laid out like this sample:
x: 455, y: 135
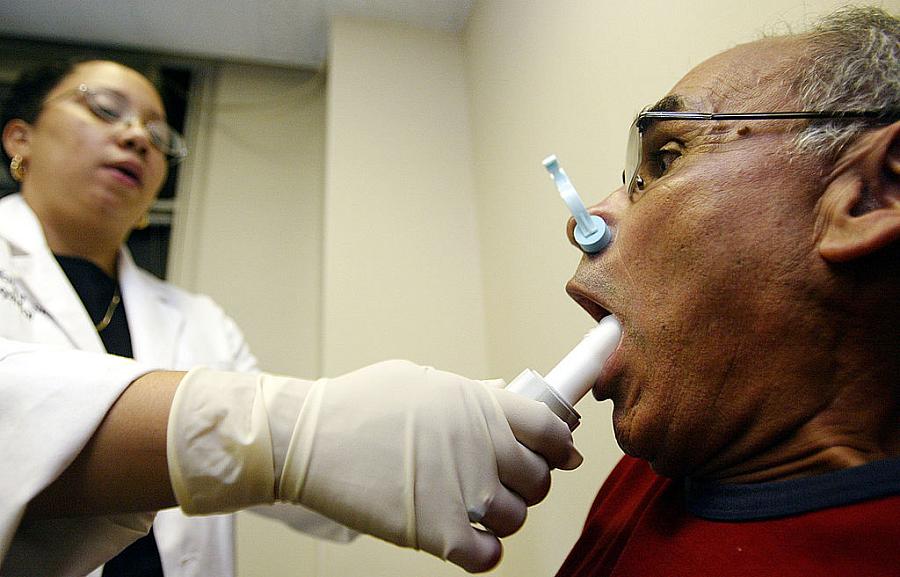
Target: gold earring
x: 144, y: 222
x: 16, y: 168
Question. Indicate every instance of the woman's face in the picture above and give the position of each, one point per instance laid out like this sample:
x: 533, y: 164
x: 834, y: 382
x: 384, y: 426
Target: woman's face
x: 85, y: 174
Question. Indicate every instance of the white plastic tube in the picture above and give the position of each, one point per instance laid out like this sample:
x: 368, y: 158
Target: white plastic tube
x: 574, y: 375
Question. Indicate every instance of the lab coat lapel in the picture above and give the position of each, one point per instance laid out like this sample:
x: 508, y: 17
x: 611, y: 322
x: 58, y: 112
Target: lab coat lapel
x: 43, y: 277
x: 155, y: 324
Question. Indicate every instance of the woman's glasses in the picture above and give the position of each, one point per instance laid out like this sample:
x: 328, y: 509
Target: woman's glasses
x: 112, y: 107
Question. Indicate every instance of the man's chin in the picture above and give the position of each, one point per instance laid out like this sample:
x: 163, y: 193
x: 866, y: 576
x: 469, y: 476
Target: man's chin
x: 639, y: 446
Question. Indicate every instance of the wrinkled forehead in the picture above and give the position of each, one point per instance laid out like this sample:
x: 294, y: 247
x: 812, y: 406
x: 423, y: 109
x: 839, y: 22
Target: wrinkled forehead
x: 751, y: 77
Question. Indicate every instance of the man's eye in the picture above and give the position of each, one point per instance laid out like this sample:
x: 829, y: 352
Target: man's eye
x: 662, y: 159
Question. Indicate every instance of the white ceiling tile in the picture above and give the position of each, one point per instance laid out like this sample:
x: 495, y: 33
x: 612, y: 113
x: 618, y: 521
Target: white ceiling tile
x: 288, y: 32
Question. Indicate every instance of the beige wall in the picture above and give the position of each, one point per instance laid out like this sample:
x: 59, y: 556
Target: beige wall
x: 248, y: 232
x: 402, y: 274
x: 248, y: 226
x: 423, y: 225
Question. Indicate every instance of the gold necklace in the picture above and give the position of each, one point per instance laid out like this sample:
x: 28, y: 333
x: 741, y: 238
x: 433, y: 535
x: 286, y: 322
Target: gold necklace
x: 110, y: 311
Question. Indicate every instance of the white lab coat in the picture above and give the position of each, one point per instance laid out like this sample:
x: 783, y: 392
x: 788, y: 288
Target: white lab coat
x: 44, y: 425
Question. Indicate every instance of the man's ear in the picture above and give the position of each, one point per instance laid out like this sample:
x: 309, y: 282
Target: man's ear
x: 17, y: 137
x: 862, y: 203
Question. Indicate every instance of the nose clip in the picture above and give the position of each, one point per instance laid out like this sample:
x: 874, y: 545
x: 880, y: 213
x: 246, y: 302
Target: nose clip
x: 591, y: 232
x: 595, y: 241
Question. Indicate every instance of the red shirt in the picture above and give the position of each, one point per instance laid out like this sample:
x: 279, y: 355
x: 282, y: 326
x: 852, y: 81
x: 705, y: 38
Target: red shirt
x: 840, y: 524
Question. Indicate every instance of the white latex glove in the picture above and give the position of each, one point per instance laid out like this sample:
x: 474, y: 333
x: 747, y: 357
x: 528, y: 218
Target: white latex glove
x: 406, y: 453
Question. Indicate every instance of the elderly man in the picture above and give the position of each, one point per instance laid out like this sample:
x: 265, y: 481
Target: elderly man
x: 755, y: 271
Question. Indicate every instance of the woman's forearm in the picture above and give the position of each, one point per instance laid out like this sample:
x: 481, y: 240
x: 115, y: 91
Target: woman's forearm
x: 123, y: 467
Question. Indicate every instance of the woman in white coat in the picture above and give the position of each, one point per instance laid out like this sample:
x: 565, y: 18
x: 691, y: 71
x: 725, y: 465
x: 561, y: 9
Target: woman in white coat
x: 90, y: 148
x: 139, y: 316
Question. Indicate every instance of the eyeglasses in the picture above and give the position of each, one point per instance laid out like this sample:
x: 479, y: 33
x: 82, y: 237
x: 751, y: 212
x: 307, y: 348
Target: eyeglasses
x: 634, y: 154
x: 113, y: 107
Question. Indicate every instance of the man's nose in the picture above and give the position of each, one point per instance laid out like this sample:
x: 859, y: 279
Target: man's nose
x: 605, y: 209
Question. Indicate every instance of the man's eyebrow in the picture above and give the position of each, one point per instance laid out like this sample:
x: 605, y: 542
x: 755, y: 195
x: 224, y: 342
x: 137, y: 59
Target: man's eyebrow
x: 670, y: 103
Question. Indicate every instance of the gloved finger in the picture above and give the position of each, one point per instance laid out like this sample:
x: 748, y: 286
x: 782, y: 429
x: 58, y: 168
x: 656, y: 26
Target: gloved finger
x: 495, y: 383
x: 574, y: 460
x: 536, y: 427
x: 505, y: 513
x: 481, y: 553
x: 524, y: 472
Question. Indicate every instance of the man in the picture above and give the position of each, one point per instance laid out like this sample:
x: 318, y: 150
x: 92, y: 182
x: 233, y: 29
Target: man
x: 755, y: 271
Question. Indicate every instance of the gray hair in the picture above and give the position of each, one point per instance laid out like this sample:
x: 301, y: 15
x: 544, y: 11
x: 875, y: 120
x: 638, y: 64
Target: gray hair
x: 852, y: 62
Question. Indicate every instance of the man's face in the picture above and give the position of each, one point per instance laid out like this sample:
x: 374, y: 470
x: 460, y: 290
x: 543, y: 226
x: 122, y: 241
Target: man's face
x: 707, y: 272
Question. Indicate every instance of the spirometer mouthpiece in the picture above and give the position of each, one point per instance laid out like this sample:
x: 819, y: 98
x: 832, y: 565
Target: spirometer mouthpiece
x: 573, y: 376
x: 591, y: 232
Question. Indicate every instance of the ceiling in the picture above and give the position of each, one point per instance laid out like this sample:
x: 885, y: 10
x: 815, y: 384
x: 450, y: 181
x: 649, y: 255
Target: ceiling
x: 283, y: 32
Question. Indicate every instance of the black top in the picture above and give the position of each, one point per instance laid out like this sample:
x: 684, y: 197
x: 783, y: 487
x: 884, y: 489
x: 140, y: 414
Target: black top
x: 96, y: 289
x: 781, y: 498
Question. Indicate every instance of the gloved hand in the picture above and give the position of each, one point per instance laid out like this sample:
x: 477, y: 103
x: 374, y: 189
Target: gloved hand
x: 406, y: 453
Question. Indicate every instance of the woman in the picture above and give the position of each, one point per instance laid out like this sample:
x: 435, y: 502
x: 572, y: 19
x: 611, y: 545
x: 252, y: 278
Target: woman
x: 90, y: 148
